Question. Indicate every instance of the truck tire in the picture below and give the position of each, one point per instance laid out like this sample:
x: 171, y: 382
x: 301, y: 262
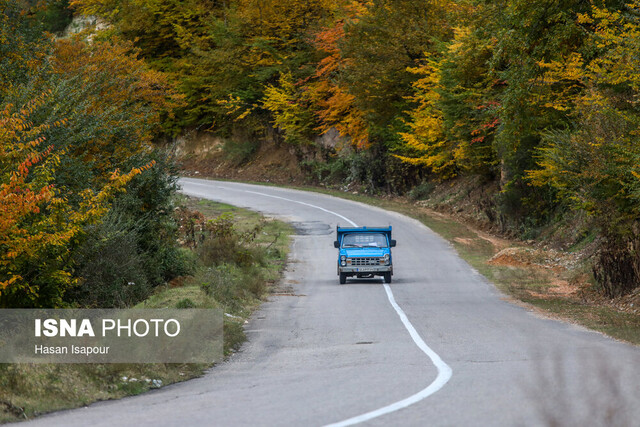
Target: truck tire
x: 387, y: 277
x: 343, y: 278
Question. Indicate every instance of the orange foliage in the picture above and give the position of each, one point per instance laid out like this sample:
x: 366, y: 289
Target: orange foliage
x: 118, y: 81
x: 337, y: 107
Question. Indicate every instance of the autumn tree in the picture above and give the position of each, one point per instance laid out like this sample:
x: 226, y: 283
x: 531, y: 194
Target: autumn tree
x: 528, y: 33
x: 22, y: 46
x: 593, y: 164
x: 453, y: 123
x: 334, y: 106
x: 278, y: 54
x: 112, y: 103
x: 380, y: 46
x: 38, y: 227
x: 101, y: 110
x: 222, y: 54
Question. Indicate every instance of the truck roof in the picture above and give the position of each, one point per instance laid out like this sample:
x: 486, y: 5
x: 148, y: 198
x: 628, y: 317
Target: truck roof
x: 343, y: 230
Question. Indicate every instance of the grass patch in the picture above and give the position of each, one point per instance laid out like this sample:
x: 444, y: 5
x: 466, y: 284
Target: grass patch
x: 30, y: 390
x: 620, y: 325
x: 240, y: 256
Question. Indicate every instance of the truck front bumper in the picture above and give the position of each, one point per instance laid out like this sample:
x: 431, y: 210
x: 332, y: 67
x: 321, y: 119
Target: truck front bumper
x: 366, y: 269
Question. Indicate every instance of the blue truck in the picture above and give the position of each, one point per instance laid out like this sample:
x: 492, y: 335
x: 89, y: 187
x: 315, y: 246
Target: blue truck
x: 364, y: 252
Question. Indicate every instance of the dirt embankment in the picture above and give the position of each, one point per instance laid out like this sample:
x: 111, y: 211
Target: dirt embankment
x: 204, y: 155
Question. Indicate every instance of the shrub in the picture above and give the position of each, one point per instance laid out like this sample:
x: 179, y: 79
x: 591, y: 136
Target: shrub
x: 148, y: 208
x: 134, y: 248
x: 422, y: 191
x: 218, y: 242
x: 240, y: 152
x: 185, y: 303
x: 232, y: 285
x: 111, y: 269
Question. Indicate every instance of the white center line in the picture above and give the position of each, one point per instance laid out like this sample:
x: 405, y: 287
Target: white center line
x: 444, y: 373
x: 306, y: 204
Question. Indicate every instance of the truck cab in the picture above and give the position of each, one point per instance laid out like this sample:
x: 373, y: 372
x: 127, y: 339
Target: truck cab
x: 364, y: 252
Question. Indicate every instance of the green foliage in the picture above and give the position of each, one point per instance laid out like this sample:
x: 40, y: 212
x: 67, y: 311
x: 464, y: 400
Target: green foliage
x: 39, y: 228
x: 111, y: 270
x: 422, y: 191
x: 222, y: 243
x: 55, y: 15
x: 240, y: 152
x: 334, y: 170
x: 185, y: 303
x: 147, y: 209
x: 364, y: 170
x: 380, y: 46
x: 22, y: 46
x: 232, y: 285
x: 134, y: 248
x: 231, y: 263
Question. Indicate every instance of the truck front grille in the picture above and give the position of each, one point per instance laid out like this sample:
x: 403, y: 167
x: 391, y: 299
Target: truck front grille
x: 365, y: 261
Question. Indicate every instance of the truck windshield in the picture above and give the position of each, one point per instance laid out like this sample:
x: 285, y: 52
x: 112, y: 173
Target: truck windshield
x: 364, y: 240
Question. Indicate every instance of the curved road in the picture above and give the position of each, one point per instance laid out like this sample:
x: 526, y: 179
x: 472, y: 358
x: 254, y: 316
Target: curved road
x: 439, y: 346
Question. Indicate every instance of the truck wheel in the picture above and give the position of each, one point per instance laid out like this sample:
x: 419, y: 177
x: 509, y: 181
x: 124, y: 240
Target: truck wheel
x: 387, y: 277
x: 343, y: 278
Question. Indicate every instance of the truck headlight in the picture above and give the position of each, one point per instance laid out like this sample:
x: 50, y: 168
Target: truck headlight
x: 386, y: 259
x: 343, y: 260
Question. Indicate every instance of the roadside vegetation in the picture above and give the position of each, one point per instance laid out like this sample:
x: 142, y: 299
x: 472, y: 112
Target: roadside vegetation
x: 236, y: 258
x: 83, y: 186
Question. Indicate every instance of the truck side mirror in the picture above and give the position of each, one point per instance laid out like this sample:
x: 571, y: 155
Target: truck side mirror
x: 336, y: 244
x: 392, y: 243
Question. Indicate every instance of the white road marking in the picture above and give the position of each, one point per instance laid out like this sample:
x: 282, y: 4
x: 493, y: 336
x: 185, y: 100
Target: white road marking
x: 306, y: 204
x: 444, y: 371
x: 206, y: 185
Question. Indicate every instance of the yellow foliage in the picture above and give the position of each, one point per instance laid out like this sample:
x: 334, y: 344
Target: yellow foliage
x: 566, y: 77
x: 427, y: 133
x: 289, y: 108
x: 583, y: 89
x: 235, y: 107
x: 562, y: 84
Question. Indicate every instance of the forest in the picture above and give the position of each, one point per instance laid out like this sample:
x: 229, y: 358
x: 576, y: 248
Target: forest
x: 85, y: 196
x: 538, y: 100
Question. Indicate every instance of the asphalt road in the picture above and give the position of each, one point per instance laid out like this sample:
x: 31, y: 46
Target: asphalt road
x: 451, y: 352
